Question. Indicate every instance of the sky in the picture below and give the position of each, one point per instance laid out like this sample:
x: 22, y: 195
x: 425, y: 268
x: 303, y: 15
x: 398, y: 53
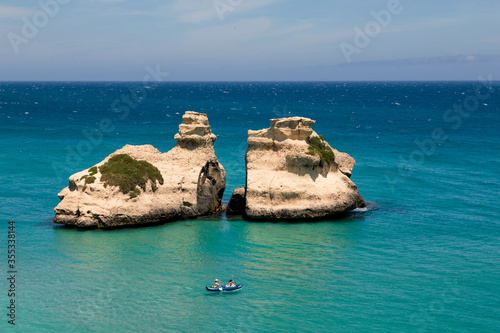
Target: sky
x: 249, y: 40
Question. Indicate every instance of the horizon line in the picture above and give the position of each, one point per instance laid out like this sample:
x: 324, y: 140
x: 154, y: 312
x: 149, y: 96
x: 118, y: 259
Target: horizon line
x: 231, y: 81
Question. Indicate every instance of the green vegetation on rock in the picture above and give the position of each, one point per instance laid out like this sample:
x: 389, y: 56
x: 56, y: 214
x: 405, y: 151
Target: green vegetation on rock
x: 319, y: 147
x: 93, y: 170
x: 129, y: 174
x: 88, y: 179
x: 135, y: 193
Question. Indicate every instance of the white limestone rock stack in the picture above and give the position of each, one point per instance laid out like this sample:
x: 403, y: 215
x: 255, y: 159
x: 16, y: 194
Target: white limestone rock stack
x: 288, y: 180
x: 192, y: 184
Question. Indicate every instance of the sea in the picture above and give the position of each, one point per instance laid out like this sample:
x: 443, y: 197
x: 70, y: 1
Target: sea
x: 423, y: 256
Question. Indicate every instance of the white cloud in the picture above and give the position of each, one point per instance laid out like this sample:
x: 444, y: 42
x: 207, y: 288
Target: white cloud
x: 255, y: 42
x: 14, y: 12
x: 292, y: 29
x: 430, y: 23
x: 248, y: 5
x: 194, y: 11
x: 198, y: 11
x: 108, y: 0
x: 223, y: 34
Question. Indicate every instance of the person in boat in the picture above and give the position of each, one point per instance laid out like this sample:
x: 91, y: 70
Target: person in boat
x: 216, y: 284
x: 231, y: 284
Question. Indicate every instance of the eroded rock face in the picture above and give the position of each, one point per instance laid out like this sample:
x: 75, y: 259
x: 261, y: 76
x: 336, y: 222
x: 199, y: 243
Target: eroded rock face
x: 193, y: 184
x: 288, y: 179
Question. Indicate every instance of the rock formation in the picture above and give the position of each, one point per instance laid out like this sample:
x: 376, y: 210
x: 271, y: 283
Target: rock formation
x: 185, y: 182
x: 236, y: 205
x: 292, y: 173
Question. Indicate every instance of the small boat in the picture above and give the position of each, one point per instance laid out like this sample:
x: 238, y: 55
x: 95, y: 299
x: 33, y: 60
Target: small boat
x: 224, y: 288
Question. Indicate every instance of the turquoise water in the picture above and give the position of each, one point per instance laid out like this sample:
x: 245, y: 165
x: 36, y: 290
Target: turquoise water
x: 423, y: 257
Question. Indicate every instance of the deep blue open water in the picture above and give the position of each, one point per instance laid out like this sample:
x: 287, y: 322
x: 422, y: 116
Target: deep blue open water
x: 424, y: 256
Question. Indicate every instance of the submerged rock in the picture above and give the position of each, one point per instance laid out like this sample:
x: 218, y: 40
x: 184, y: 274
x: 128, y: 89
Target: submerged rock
x: 140, y: 185
x: 293, y: 173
